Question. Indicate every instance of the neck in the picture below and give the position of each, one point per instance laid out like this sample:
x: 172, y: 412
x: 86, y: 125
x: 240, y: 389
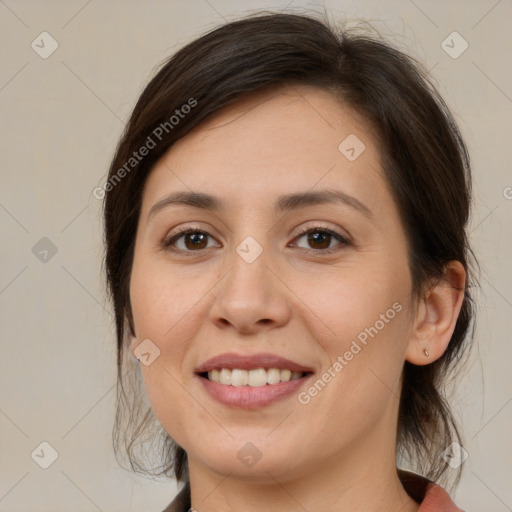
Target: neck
x: 362, y: 478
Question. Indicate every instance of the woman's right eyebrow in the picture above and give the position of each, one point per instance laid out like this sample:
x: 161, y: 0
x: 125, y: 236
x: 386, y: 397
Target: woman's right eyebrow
x: 284, y: 203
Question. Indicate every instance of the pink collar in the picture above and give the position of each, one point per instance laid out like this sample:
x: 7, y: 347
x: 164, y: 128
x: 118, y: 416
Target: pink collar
x: 432, y: 497
x: 437, y: 500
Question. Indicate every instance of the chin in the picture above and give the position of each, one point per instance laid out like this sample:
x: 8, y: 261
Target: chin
x: 256, y: 462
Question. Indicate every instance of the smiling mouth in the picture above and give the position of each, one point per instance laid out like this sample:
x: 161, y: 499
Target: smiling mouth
x: 252, y: 378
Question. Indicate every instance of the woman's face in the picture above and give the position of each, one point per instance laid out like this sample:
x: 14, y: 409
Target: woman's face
x: 250, y: 287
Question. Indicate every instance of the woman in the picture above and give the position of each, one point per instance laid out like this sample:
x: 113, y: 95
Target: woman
x: 286, y: 253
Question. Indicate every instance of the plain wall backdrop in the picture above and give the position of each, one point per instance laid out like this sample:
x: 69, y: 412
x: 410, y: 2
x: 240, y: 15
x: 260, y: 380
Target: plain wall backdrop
x: 62, y: 114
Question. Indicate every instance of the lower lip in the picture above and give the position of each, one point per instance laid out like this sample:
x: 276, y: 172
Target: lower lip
x: 248, y: 397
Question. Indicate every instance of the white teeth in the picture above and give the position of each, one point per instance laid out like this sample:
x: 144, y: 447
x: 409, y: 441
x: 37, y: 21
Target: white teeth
x: 286, y: 375
x: 225, y: 376
x: 273, y: 376
x: 239, y: 378
x: 253, y: 378
x: 257, y: 377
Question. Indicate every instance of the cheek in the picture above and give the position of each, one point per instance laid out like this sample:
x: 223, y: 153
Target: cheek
x: 361, y: 322
x: 168, y: 308
x: 162, y: 298
x: 158, y: 316
x: 349, y: 301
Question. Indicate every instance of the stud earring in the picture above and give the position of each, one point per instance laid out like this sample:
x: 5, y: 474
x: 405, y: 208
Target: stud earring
x: 426, y: 352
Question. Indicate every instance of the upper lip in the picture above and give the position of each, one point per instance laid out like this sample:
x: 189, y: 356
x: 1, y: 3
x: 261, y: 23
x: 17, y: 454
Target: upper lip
x: 251, y: 362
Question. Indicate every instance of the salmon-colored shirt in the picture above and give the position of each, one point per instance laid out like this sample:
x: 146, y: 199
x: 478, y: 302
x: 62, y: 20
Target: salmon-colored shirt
x: 432, y: 497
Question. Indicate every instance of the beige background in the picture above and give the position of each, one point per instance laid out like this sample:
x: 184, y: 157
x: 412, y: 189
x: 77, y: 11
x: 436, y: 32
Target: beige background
x: 61, y: 118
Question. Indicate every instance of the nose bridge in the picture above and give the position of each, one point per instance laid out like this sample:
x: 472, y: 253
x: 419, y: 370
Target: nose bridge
x: 251, y: 294
x: 250, y: 253
x: 249, y: 279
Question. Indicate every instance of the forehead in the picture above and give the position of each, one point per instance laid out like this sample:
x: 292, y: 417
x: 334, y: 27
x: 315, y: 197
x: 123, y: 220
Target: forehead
x: 282, y: 139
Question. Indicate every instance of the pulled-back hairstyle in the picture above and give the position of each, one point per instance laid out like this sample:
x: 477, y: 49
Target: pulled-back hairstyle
x: 423, y: 156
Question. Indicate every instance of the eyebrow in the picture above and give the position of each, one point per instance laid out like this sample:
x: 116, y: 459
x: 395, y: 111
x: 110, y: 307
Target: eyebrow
x: 284, y: 203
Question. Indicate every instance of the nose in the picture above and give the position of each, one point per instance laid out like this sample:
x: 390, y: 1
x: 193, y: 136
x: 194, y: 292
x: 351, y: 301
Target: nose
x: 251, y: 298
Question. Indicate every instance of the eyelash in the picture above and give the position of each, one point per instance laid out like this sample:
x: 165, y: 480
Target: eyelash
x: 168, y: 243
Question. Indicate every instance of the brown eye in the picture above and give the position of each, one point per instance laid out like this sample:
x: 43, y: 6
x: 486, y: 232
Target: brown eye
x: 195, y: 240
x: 192, y: 240
x: 319, y: 239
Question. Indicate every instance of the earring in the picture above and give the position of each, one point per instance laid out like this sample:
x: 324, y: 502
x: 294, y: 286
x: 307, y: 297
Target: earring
x: 425, y: 351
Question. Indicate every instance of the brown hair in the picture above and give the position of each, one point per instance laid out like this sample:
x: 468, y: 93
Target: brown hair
x: 423, y: 155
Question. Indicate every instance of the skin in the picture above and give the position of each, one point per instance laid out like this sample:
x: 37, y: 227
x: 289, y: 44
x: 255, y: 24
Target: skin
x: 336, y: 452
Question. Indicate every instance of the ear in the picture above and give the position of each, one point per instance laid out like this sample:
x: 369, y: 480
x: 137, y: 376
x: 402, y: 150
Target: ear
x: 436, y: 316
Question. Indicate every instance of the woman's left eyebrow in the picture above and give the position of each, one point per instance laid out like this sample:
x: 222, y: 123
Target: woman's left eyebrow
x: 297, y: 200
x: 287, y: 202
